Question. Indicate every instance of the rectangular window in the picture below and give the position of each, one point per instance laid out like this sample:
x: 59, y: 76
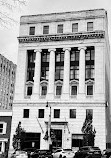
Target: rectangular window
x: 75, y: 27
x: 44, y: 90
x: 41, y: 113
x: 56, y: 113
x: 45, y: 65
x: 29, y: 90
x: 32, y: 31
x: 60, y: 28
x: 89, y: 26
x: 58, y: 90
x: 73, y: 90
x: 30, y: 65
x: 26, y: 113
x: 89, y: 89
x: 46, y: 29
x: 72, y: 113
x: 74, y: 64
x: 1, y: 128
x: 89, y: 114
x: 89, y: 63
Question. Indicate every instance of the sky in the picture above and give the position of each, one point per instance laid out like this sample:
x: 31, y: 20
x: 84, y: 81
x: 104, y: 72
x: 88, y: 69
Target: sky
x: 8, y: 40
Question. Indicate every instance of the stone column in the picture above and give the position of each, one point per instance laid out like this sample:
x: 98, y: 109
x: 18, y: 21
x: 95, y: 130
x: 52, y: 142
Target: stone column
x: 65, y: 92
x: 82, y: 70
x: 50, y: 95
x: 36, y: 87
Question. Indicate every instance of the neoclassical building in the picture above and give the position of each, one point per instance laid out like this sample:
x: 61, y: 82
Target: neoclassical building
x: 63, y: 62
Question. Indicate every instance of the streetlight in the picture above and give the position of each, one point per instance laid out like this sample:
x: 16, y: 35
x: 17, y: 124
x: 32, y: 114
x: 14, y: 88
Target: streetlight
x: 49, y: 129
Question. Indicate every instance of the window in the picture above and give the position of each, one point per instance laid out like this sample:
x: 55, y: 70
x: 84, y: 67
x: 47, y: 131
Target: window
x: 32, y: 31
x: 58, y: 90
x: 1, y: 127
x: 89, y: 89
x: 26, y: 113
x: 45, y: 65
x: 89, y: 63
x: 74, y: 90
x: 56, y: 113
x: 59, y: 64
x: 41, y: 113
x: 44, y: 90
x: 74, y: 64
x: 30, y: 65
x: 89, y: 26
x: 75, y: 27
x: 46, y: 29
x: 89, y: 114
x: 60, y: 28
x: 29, y: 90
x: 72, y: 113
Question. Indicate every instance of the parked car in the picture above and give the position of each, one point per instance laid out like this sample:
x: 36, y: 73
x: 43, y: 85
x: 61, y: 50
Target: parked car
x: 41, y: 154
x: 63, y: 153
x: 19, y: 154
x: 29, y: 151
x: 88, y: 152
x: 107, y: 153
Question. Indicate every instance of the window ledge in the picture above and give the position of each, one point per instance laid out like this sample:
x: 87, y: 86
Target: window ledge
x: 42, y: 96
x: 89, y: 96
x: 74, y: 96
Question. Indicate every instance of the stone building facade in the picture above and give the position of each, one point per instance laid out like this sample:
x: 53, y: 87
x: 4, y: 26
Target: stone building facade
x: 64, y: 60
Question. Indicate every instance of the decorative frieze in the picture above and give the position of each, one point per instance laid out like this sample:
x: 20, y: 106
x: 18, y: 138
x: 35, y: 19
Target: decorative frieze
x: 62, y: 37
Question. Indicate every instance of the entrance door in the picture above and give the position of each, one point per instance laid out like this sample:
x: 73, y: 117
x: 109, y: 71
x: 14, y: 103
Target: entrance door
x: 57, y: 142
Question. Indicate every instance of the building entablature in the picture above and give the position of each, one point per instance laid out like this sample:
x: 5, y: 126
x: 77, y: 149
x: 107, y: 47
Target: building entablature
x: 58, y: 17
x: 62, y: 37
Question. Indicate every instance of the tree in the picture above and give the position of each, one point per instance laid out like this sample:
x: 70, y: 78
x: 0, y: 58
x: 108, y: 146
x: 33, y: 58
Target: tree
x: 8, y: 10
x: 19, y: 137
x: 88, y: 131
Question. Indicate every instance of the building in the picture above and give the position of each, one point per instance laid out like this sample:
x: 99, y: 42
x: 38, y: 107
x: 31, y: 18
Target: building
x: 5, y: 129
x: 64, y: 60
x: 7, y: 85
x: 7, y: 82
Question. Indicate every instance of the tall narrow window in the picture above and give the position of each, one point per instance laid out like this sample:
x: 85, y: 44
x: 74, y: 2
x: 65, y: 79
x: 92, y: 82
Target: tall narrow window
x: 32, y: 31
x: 30, y: 65
x: 46, y: 29
x: 0, y: 146
x: 56, y: 113
x: 45, y: 65
x: 1, y: 128
x: 89, y: 63
x: 29, y: 90
x: 74, y: 64
x: 75, y: 27
x: 59, y: 64
x: 60, y: 28
x: 89, y: 26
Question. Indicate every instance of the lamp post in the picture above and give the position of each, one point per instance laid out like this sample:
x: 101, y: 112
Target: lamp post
x: 49, y: 129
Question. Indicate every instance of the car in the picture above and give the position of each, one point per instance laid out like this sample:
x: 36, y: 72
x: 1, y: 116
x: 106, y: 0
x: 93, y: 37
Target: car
x: 88, y: 152
x: 107, y: 153
x: 63, y: 153
x: 39, y: 153
x: 19, y: 154
x: 29, y: 151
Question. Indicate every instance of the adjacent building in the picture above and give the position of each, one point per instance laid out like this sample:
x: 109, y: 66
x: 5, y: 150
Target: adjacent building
x: 63, y: 60
x: 7, y: 85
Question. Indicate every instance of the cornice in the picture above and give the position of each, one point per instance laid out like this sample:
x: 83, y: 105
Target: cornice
x: 62, y: 37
